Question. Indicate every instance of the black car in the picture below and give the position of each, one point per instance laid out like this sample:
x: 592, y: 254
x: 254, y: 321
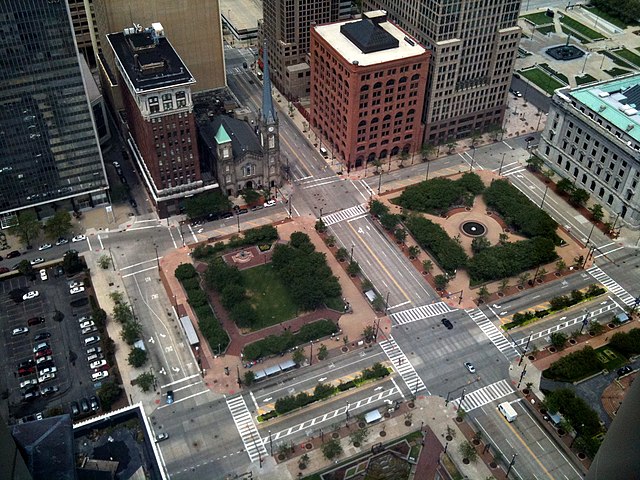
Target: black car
x: 75, y: 410
x: 624, y: 370
x: 242, y: 210
x: 13, y: 254
x: 84, y: 404
x: 133, y: 203
x: 447, y: 323
x: 227, y: 215
x: 41, y: 336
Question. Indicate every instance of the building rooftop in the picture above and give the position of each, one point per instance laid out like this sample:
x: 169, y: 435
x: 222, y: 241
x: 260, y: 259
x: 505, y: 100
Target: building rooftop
x: 148, y: 58
x: 242, y: 136
x: 370, y: 41
x: 617, y: 101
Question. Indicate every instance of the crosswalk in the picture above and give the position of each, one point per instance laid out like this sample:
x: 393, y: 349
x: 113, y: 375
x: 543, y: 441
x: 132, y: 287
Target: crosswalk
x: 246, y: 428
x: 403, y: 366
x: 420, y: 313
x: 484, y: 395
x: 615, y: 288
x: 345, y: 214
x: 492, y: 332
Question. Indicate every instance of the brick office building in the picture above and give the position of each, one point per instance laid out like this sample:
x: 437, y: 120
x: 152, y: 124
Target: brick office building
x: 368, y: 80
x: 156, y: 90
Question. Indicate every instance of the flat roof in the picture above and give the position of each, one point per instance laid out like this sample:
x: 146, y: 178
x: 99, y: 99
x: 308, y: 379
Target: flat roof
x: 241, y: 15
x: 149, y: 61
x: 192, y: 336
x: 376, y: 40
x: 617, y: 101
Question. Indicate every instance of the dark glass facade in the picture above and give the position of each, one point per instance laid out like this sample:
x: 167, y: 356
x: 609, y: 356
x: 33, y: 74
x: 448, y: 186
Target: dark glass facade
x: 48, y: 144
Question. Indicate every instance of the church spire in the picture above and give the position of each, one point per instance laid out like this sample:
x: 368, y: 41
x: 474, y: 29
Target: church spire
x: 268, y: 111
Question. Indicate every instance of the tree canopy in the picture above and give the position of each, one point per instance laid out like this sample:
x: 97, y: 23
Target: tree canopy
x: 439, y: 194
x: 205, y: 203
x: 27, y: 228
x: 59, y: 225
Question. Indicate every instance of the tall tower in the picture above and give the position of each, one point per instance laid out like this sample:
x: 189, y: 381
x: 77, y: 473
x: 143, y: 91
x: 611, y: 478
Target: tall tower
x: 268, y: 128
x: 474, y: 46
x: 49, y: 150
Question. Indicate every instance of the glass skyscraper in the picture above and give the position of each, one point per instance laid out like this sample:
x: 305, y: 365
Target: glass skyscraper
x: 49, y: 149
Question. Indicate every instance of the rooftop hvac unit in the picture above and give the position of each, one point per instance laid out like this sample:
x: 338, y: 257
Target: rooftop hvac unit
x: 630, y: 111
x: 603, y: 94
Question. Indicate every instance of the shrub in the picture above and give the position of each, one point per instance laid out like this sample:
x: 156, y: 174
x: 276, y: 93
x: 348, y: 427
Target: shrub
x: 432, y: 238
x: 137, y: 357
x: 185, y: 271
x: 627, y: 343
x: 439, y: 194
x: 323, y: 390
x: 574, y: 366
x: 558, y: 339
x: 377, y: 208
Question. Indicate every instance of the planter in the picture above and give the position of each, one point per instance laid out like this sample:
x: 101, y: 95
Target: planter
x: 572, y: 341
x: 465, y: 461
x: 383, y: 433
x: 553, y: 349
x: 493, y: 465
x: 500, y: 294
x: 520, y: 287
x: 344, y: 349
x: 475, y: 441
x: 531, y: 357
x: 611, y: 325
x: 308, y: 446
x: 280, y: 457
x: 526, y: 391
x: 411, y: 405
x: 561, y: 432
x: 582, y: 455
x: 356, y: 444
x: 361, y: 424
x: 335, y: 435
x: 558, y: 274
x: 449, y: 438
x: 387, y: 415
x: 459, y: 419
x: 407, y: 424
x: 591, y: 334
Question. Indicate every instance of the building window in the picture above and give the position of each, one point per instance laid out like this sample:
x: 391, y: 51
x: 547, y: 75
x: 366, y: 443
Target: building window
x: 181, y: 99
x: 154, y: 106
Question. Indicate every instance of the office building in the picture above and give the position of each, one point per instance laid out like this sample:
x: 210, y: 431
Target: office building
x: 49, y: 149
x: 194, y: 27
x: 368, y: 81
x: 156, y: 90
x: 474, y: 44
x: 285, y: 28
x: 592, y: 138
x: 85, y: 29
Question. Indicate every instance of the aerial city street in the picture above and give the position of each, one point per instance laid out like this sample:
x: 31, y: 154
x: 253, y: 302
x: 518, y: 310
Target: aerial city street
x: 283, y: 239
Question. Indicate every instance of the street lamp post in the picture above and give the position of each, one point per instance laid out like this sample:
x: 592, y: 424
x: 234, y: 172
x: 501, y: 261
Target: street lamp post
x: 157, y: 258
x: 351, y: 256
x: 379, y: 181
x: 428, y: 165
x: 238, y: 217
x: 473, y: 157
x: 290, y: 203
x: 513, y: 459
x: 544, y: 196
x: 271, y: 442
x: 590, y: 232
x: 585, y: 320
x: 311, y: 353
x: 501, y: 163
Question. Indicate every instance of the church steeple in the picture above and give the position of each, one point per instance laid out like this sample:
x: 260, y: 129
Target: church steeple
x: 268, y: 111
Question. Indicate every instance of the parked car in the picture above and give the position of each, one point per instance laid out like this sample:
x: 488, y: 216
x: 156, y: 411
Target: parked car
x: 38, y: 337
x: 13, y: 254
x: 93, y: 401
x: 162, y: 436
x: 99, y: 375
x: 75, y: 290
x: 30, y: 362
x: 61, y: 241
x: 40, y: 361
x: 269, y: 203
x: 58, y: 271
x: 30, y: 295
x: 469, y: 366
x: 46, y: 377
x: 84, y: 404
x: 4, y: 270
x: 97, y: 363
x: 37, y: 261
x: 169, y: 397
x: 86, y: 324
x: 40, y: 347
x: 93, y: 350
x: 31, y: 395
x: 28, y: 383
x: 48, y: 370
x: 88, y: 330
x: 35, y: 321
x: 624, y: 370
x: 43, y: 275
x: 76, y: 284
x: 75, y: 409
x: 49, y: 390
x: 78, y: 238
x: 19, y: 331
x: 44, y: 246
x: 24, y: 371
x: 44, y: 353
x: 94, y: 357
x: 91, y: 340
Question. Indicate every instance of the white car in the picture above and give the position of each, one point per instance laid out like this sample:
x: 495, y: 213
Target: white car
x: 44, y: 359
x: 99, y: 375
x: 88, y: 330
x: 31, y: 294
x: 78, y: 238
x: 19, y: 331
x: 49, y: 390
x: 45, y: 246
x: 76, y: 284
x: 86, y: 324
x: 75, y: 290
x: 46, y: 377
x: 269, y: 203
x: 469, y: 366
x: 116, y: 164
x: 43, y: 275
x: 93, y: 357
x: 40, y: 347
x: 98, y: 364
x: 36, y: 261
x: 44, y: 371
x: 85, y: 319
x: 27, y: 383
x: 93, y: 350
x: 91, y: 340
x: 61, y: 241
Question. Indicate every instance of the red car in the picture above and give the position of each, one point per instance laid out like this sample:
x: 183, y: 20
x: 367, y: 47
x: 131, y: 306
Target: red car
x: 44, y: 353
x: 4, y: 270
x: 26, y: 371
x: 103, y: 368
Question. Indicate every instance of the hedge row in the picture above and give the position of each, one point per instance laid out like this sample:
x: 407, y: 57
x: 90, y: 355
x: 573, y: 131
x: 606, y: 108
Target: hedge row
x: 518, y: 212
x: 574, y: 366
x: 277, y: 344
x: 501, y: 261
x: 627, y: 343
x: 439, y: 194
x: 209, y: 325
x: 431, y: 237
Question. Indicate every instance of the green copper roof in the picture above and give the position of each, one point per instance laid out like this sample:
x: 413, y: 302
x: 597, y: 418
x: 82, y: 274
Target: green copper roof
x: 222, y: 136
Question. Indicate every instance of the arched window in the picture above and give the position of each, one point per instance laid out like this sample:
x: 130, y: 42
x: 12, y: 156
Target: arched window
x: 375, y: 120
x: 399, y: 115
x: 364, y: 88
x: 391, y: 83
x: 362, y: 123
x: 386, y: 118
x: 415, y: 77
x: 402, y: 80
x: 377, y: 85
x: 411, y: 112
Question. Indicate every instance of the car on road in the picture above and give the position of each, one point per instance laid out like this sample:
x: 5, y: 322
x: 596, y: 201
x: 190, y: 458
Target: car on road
x: 88, y: 330
x: 99, y: 375
x: 529, y: 139
x: 97, y: 364
x: 624, y: 370
x: 13, y: 254
x: 93, y: 401
x: 45, y: 246
x: 27, y: 383
x: 242, y: 211
x: 517, y: 93
x: 30, y: 295
x: 269, y: 203
x: 169, y: 397
x: 43, y: 275
x: 75, y: 290
x: 227, y: 215
x: 38, y: 337
x: 93, y: 350
x: 91, y: 340
x: 469, y: 366
x: 41, y: 347
x: 88, y: 323
x: 19, y: 331
x: 35, y: 321
x: 447, y: 323
x: 162, y: 436
x: 46, y: 377
x: 37, y: 261
x: 61, y: 241
x: 49, y: 390
x: 78, y: 238
x: 116, y: 164
x: 44, y: 353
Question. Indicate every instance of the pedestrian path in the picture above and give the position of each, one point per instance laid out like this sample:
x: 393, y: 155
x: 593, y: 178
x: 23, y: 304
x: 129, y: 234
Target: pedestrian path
x: 484, y: 395
x: 346, y: 214
x: 403, y: 366
x: 492, y: 332
x: 246, y: 428
x: 420, y: 313
x: 615, y: 288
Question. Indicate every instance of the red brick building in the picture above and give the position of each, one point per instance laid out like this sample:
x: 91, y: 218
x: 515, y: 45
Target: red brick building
x: 368, y: 81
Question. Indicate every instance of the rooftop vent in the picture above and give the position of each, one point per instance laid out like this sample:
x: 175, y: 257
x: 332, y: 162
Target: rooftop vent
x: 630, y: 111
x: 603, y: 94
x: 409, y: 41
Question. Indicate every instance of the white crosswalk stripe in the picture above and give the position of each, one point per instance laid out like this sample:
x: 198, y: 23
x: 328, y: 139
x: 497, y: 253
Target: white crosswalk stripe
x: 492, y: 332
x: 484, y: 395
x: 246, y: 428
x: 420, y: 313
x: 403, y: 366
x: 345, y: 214
x: 612, y: 286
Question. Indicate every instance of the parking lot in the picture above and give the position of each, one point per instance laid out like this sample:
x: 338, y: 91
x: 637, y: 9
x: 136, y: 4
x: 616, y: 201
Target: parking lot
x: 52, y: 317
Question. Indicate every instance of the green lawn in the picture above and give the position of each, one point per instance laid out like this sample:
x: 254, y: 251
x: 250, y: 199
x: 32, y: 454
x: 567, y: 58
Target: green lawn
x: 617, y: 72
x: 268, y: 296
x: 585, y: 78
x: 629, y: 56
x: 611, y: 359
x: 581, y: 28
x: 546, y: 29
x: 617, y: 60
x: 575, y: 35
x: 542, y: 79
x: 539, y: 18
x: 609, y: 18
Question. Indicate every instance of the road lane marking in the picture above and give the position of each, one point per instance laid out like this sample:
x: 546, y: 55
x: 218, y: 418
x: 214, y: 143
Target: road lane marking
x: 140, y: 271
x: 180, y: 381
x: 253, y: 444
x: 101, y: 245
x: 420, y: 313
x: 483, y: 396
x: 185, y: 398
x: 403, y: 366
x: 138, y: 264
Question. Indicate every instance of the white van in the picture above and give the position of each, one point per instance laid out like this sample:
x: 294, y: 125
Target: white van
x: 324, y: 152
x: 508, y: 411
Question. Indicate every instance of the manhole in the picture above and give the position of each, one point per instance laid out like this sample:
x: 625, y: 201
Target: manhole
x: 473, y: 229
